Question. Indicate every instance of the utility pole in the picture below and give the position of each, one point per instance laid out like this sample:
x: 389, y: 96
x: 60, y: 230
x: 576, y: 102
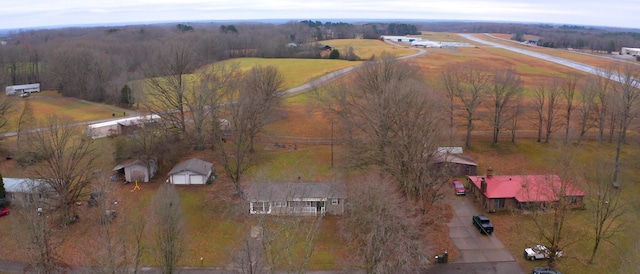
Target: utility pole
x: 331, y: 143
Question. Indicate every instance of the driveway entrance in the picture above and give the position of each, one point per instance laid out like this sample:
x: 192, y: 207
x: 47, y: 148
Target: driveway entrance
x: 479, y: 253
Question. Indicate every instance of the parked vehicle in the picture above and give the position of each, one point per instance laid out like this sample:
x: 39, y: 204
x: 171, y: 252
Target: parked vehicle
x: 544, y: 270
x: 4, y: 212
x: 108, y: 216
x: 24, y: 94
x: 459, y: 187
x: 483, y: 223
x: 539, y: 252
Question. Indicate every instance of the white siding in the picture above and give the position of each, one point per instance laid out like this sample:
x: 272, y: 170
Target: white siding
x: 196, y: 179
x: 179, y: 179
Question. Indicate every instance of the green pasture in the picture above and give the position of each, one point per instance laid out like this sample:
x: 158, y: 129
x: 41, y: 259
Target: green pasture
x: 47, y: 103
x: 295, y: 72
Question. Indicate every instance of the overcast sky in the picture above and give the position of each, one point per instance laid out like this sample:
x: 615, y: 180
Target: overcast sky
x: 43, y: 13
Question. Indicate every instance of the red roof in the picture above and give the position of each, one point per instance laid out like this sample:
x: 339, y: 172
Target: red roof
x: 525, y: 188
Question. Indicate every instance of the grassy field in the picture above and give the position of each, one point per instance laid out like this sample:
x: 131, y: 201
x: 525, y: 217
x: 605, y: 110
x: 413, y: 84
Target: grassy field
x: 366, y: 48
x: 295, y: 71
x: 47, y: 103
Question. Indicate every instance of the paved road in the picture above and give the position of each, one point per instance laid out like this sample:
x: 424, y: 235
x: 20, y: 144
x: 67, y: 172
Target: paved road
x: 339, y: 73
x: 479, y: 253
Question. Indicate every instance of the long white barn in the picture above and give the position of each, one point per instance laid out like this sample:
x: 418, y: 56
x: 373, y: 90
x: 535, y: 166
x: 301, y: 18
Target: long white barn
x: 17, y: 89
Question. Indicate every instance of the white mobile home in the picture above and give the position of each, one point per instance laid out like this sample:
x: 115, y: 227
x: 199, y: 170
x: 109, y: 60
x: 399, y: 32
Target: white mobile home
x: 117, y: 127
x: 630, y: 51
x: 17, y: 89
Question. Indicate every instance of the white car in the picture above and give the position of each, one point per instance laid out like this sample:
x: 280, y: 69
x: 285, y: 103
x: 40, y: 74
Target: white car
x: 539, y: 252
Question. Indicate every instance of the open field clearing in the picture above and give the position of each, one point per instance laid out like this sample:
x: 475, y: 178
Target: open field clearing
x: 532, y: 71
x: 295, y: 71
x: 442, y: 36
x: 47, y: 103
x: 367, y: 48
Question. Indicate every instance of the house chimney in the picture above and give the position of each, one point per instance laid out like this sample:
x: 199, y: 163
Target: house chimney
x: 489, y: 172
x: 483, y: 185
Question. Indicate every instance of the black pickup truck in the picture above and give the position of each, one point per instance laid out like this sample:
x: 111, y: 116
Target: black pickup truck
x: 483, y: 224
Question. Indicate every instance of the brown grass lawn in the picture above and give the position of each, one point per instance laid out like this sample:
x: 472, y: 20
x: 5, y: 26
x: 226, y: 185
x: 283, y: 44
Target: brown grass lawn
x: 600, y: 60
x: 532, y: 71
x: 47, y: 103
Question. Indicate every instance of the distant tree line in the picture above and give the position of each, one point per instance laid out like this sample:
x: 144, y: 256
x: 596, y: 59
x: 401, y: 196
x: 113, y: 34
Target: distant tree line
x: 602, y: 39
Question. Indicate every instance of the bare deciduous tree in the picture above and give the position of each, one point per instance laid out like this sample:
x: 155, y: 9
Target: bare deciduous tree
x: 25, y: 120
x: 587, y: 108
x: 539, y: 103
x: 7, y: 104
x: 34, y: 230
x: 110, y: 239
x: 386, y: 238
x: 204, y: 100
x: 168, y: 226
x: 289, y: 240
x: 553, y: 103
x: 568, y: 89
x: 602, y: 84
x: 168, y: 83
x: 65, y: 161
x: 606, y: 205
x: 469, y: 84
x: 504, y: 90
x: 250, y: 105
x: 261, y: 92
x: 550, y: 224
x: 389, y: 118
x: 627, y: 97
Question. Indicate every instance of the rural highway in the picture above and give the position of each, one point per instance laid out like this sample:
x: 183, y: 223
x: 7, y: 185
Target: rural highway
x: 339, y: 73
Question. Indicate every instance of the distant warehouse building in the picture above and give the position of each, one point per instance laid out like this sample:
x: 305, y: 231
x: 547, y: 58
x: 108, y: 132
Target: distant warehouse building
x: 18, y: 89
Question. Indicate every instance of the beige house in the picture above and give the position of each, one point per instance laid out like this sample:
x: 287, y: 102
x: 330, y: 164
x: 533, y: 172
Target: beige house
x: 24, y: 190
x: 297, y: 198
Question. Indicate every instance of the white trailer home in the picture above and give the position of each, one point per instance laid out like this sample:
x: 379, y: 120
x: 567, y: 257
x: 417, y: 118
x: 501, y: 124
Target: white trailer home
x: 630, y: 51
x: 119, y: 126
x: 18, y: 89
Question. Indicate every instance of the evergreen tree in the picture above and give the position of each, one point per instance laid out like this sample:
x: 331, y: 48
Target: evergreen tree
x: 126, y: 98
x: 335, y: 54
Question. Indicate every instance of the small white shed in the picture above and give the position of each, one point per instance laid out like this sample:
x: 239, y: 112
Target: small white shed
x: 191, y: 172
